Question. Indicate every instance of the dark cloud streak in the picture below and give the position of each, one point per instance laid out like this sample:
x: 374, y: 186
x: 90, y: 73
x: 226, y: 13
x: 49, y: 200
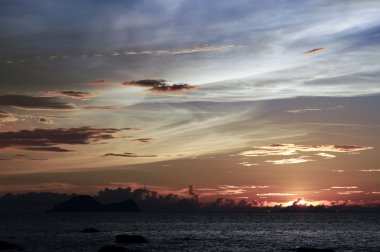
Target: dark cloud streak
x: 142, y: 140
x: 71, y: 94
x: 47, y: 139
x: 160, y: 86
x: 48, y: 149
x: 34, y: 102
x: 315, y: 50
x: 127, y: 154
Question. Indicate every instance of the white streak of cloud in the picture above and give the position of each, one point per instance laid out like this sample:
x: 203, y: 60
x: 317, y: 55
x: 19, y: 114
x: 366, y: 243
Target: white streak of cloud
x: 293, y: 149
x: 302, y: 159
x: 370, y: 170
x: 349, y: 192
x: 326, y: 155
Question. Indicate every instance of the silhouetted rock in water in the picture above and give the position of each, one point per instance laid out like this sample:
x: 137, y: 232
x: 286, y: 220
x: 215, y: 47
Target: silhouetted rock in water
x: 4, y: 245
x: 85, y: 203
x: 301, y: 249
x: 130, y: 239
x: 90, y: 230
x: 112, y: 249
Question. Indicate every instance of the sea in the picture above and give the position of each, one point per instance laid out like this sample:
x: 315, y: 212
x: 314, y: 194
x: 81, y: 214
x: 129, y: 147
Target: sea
x: 61, y: 232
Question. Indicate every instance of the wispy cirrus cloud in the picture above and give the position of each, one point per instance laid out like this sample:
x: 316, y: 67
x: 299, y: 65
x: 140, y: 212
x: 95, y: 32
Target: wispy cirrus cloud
x: 34, y: 102
x: 110, y: 107
x: 160, y: 86
x: 303, y: 110
x: 194, y: 49
x: 204, y: 48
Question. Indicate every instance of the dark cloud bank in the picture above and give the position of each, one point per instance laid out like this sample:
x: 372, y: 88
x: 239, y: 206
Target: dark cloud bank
x: 151, y: 201
x: 48, y: 139
x: 34, y: 102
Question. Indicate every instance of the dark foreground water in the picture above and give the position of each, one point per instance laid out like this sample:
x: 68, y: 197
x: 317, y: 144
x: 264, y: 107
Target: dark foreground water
x: 193, y: 232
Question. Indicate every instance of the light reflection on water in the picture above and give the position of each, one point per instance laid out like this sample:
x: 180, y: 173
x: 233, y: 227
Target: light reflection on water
x: 194, y: 232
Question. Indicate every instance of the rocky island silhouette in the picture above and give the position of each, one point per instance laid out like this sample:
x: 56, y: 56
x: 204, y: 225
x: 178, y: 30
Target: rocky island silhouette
x: 86, y: 203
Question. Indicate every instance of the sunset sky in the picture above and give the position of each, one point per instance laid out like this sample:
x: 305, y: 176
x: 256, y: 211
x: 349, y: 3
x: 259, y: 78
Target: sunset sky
x: 269, y: 100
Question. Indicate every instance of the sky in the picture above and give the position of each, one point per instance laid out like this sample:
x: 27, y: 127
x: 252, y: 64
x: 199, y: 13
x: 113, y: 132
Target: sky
x: 262, y: 100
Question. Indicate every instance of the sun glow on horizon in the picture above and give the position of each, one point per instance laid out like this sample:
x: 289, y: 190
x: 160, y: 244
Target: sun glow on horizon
x: 302, y: 202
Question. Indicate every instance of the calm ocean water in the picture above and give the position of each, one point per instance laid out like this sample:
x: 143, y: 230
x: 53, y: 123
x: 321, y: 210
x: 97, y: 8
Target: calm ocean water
x: 193, y: 232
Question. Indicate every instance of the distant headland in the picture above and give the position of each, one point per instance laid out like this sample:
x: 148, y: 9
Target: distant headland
x: 145, y: 200
x: 85, y: 203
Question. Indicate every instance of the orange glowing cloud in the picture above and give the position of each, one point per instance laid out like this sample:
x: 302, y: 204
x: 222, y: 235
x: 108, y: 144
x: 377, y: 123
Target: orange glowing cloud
x: 302, y: 202
x: 293, y: 149
x: 6, y: 117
